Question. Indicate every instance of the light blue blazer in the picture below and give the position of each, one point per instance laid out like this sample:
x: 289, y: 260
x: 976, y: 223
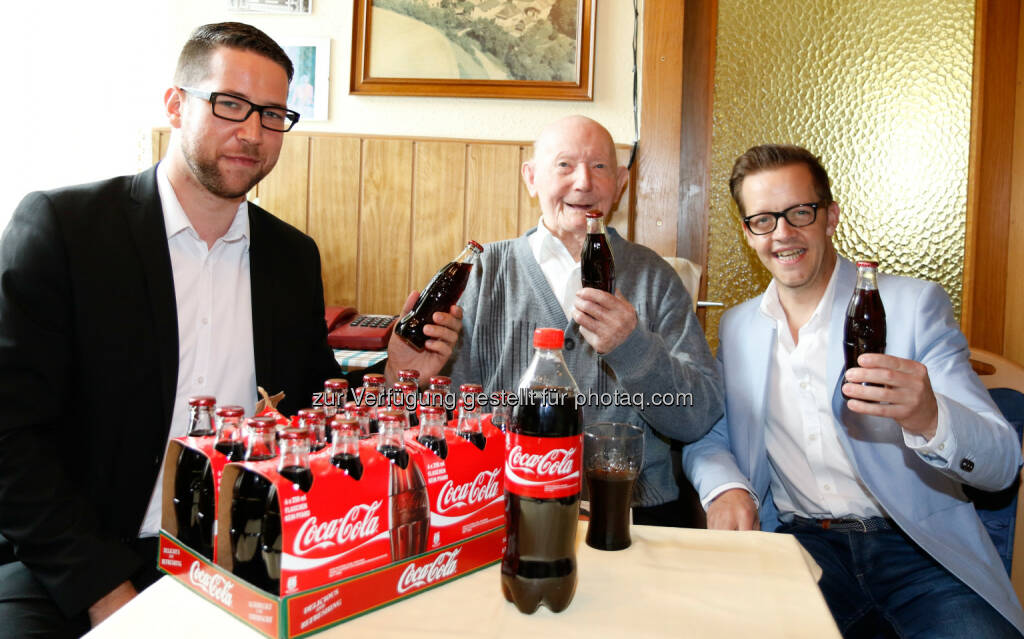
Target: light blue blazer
x: 924, y: 497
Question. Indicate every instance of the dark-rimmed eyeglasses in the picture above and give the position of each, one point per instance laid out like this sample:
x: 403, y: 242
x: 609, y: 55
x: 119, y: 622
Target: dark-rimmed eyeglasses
x: 797, y: 215
x: 236, y: 109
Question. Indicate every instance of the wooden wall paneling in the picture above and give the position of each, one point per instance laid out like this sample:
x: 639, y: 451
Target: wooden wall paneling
x: 990, y: 173
x: 160, y: 139
x: 334, y: 176
x: 492, y: 192
x: 438, y: 207
x: 622, y: 217
x: 285, y: 191
x: 1013, y: 326
x: 385, y: 224
x: 529, y: 207
x: 658, y: 158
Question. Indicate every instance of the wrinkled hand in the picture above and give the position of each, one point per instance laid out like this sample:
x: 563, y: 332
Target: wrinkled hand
x: 443, y: 334
x: 907, y: 392
x: 605, y: 320
x: 111, y: 603
x: 733, y: 510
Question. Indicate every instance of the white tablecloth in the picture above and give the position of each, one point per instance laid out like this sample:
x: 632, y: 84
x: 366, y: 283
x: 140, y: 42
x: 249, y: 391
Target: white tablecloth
x: 672, y: 582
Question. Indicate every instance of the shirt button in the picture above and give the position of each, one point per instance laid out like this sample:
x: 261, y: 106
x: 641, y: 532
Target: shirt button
x: 942, y: 447
x: 827, y: 488
x: 966, y: 465
x: 803, y: 385
x: 569, y: 344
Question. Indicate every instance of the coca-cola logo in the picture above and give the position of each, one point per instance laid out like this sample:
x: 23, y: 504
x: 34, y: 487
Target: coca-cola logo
x: 443, y: 566
x: 360, y: 522
x: 555, y: 462
x: 484, y: 487
x: 214, y: 584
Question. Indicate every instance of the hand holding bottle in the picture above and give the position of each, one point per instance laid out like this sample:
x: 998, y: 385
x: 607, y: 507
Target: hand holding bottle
x: 443, y: 333
x: 605, y: 320
x: 903, y: 392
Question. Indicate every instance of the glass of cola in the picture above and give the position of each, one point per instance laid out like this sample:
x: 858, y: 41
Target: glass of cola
x: 612, y: 456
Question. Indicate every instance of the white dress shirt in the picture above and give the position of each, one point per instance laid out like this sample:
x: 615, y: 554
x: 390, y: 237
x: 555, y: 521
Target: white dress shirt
x: 560, y: 269
x: 811, y: 475
x: 212, y: 292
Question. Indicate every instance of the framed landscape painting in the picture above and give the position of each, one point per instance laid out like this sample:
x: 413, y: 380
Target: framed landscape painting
x: 541, y: 49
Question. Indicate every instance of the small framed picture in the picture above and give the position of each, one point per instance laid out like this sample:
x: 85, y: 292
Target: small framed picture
x: 310, y: 89
x: 271, y: 6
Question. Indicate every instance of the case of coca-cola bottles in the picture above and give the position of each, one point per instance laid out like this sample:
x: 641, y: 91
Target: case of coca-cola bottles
x: 543, y: 468
x: 309, y: 538
x: 443, y: 290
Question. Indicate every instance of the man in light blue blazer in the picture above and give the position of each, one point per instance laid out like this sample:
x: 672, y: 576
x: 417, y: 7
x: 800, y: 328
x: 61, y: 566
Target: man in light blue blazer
x: 871, y: 486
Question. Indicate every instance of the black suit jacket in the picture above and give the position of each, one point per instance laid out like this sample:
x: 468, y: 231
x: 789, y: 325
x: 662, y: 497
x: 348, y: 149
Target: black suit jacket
x: 89, y: 367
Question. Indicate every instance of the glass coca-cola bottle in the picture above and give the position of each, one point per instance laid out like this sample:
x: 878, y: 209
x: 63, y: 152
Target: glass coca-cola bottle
x: 443, y: 385
x: 864, y: 331
x: 314, y: 421
x: 543, y: 468
x: 193, y: 482
x: 408, y: 504
x: 249, y: 505
x: 409, y: 375
x: 469, y: 428
x: 597, y: 266
x: 431, y: 433
x: 334, y: 398
x: 403, y: 397
x: 229, y: 432
x: 360, y: 413
x: 293, y: 465
x: 439, y: 295
x: 345, y: 446
x: 293, y: 460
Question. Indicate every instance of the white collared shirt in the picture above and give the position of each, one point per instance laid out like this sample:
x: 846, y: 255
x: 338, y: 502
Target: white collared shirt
x: 560, y: 269
x: 212, y: 292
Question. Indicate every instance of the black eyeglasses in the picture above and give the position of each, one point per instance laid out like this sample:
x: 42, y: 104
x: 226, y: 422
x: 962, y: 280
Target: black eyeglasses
x: 797, y: 215
x: 236, y: 109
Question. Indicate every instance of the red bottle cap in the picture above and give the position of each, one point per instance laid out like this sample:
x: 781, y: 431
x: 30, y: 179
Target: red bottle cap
x: 405, y: 387
x: 261, y: 423
x: 548, y: 338
x: 373, y: 378
x: 433, y: 411
x: 336, y: 384
x: 361, y: 410
x: 409, y: 373
x: 471, y: 388
x: 295, y: 433
x: 592, y: 215
x: 344, y: 423
x: 312, y: 413
x: 202, y: 400
x: 867, y: 263
x: 477, y: 248
x: 396, y: 419
x: 230, y: 411
x: 441, y: 380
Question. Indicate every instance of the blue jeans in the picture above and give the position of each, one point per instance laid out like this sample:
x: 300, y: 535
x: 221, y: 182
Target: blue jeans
x: 881, y: 584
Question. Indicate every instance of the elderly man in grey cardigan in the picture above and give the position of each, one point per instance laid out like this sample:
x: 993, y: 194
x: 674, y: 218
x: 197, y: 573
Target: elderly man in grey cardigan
x: 628, y: 351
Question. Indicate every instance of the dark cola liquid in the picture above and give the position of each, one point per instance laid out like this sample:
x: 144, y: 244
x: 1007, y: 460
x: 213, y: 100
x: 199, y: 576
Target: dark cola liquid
x: 409, y: 510
x: 398, y: 456
x: 443, y: 290
x: 349, y: 463
x: 610, y: 495
x: 234, y: 451
x: 249, y: 505
x: 300, y: 476
x: 539, y: 564
x: 596, y: 264
x: 477, y: 439
x: 270, y: 543
x: 194, y: 501
x: 865, y: 327
x: 437, y: 445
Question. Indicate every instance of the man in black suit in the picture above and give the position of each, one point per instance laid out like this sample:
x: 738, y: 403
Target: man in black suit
x: 118, y: 301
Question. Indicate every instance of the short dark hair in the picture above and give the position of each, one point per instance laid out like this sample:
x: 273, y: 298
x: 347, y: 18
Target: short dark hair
x: 773, y: 156
x: 194, y: 61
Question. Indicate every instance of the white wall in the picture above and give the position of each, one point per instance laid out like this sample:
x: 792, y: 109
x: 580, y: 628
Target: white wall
x: 88, y: 83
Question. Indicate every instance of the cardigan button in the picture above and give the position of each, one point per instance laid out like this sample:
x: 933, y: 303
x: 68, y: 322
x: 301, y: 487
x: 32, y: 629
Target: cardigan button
x: 570, y: 343
x: 966, y: 465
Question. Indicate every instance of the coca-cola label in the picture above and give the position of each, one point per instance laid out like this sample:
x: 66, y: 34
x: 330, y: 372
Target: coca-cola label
x: 445, y: 565
x: 543, y: 467
x: 360, y: 522
x: 214, y: 584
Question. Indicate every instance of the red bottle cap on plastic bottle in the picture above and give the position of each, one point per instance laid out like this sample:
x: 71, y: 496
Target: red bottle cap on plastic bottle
x: 202, y: 400
x: 230, y: 411
x: 548, y: 338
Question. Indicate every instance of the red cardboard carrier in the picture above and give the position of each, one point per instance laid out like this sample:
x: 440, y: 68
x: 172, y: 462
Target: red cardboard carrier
x: 348, y: 546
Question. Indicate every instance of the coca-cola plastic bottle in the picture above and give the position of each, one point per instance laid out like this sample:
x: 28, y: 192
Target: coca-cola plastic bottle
x: 431, y: 433
x: 865, y: 317
x: 597, y: 266
x: 543, y: 463
x: 345, y: 446
x: 313, y: 420
x: 229, y: 432
x: 469, y: 427
x: 408, y: 504
x: 443, y: 385
x: 443, y: 290
x: 193, y: 483
x: 249, y: 505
